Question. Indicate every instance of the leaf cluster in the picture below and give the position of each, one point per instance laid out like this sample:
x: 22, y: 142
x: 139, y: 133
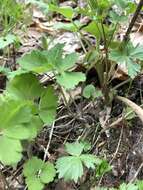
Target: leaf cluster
x: 72, y: 166
x: 38, y: 173
x: 53, y: 61
x: 25, y: 109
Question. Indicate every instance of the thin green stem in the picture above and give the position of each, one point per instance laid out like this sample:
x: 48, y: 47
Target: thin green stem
x: 79, y: 32
x: 65, y: 99
x: 121, y: 84
x: 112, y: 36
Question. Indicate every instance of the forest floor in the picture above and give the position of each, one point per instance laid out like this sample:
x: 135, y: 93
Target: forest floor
x: 121, y: 144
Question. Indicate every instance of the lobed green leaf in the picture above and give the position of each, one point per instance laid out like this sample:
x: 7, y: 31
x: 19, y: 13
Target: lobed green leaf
x: 70, y: 79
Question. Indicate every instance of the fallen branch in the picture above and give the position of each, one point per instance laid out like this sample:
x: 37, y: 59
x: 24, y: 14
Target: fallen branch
x: 135, y: 16
x: 137, y: 109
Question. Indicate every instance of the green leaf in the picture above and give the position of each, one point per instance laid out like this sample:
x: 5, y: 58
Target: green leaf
x: 55, y: 54
x: 53, y: 60
x: 10, y: 150
x: 122, y: 3
x: 136, y: 52
x: 17, y: 132
x: 48, y: 173
x: 133, y: 68
x: 100, y: 8
x: 90, y: 160
x: 91, y: 92
x: 102, y: 168
x: 14, y: 113
x: 24, y: 131
x: 124, y: 9
x: 35, y: 61
x: 38, y: 172
x: 25, y: 87
x: 128, y: 187
x: 86, y: 144
x: 68, y: 12
x: 116, y: 18
x: 70, y: 79
x: 34, y: 183
x: 95, y: 29
x: 48, y: 116
x: 32, y: 166
x: 69, y: 168
x: 140, y: 184
x: 68, y: 62
x: 74, y: 149
x: 68, y: 26
x: 128, y: 55
x: 86, y: 11
x: 13, y: 74
x: 42, y: 5
x: 7, y: 40
x: 48, y: 106
x: 4, y: 70
x: 34, y: 126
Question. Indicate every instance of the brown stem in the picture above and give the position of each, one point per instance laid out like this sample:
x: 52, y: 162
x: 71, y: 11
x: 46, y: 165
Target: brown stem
x: 135, y: 16
x: 105, y: 85
x: 14, y: 58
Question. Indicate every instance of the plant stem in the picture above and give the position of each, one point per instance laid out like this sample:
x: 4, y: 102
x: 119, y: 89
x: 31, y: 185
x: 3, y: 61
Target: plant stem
x: 106, y: 48
x: 135, y: 16
x: 78, y: 32
x: 65, y: 99
x: 105, y: 85
x: 121, y: 84
x: 112, y: 35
